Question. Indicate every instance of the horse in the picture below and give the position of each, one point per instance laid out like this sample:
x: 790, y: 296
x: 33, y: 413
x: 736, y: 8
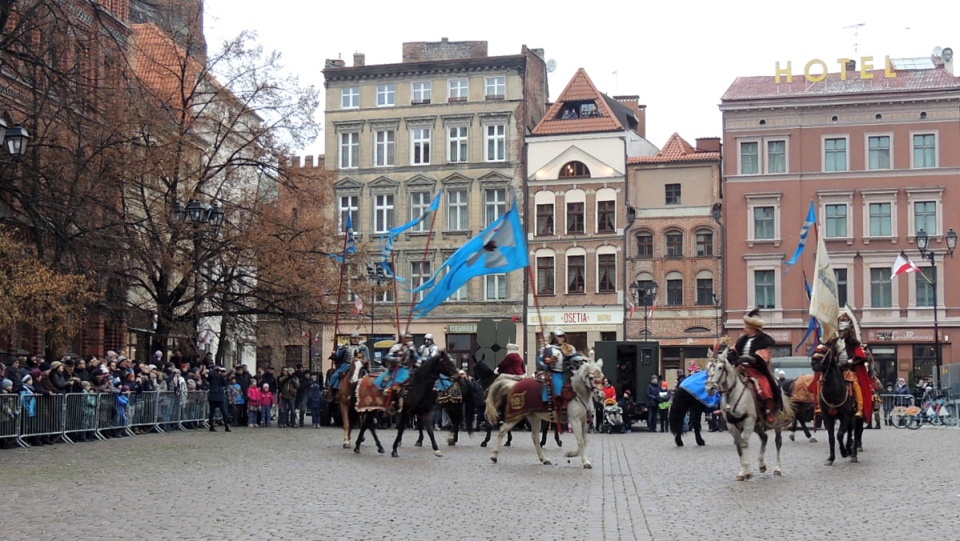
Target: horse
x: 486, y: 376
x: 838, y: 406
x: 803, y: 401
x: 346, y: 398
x: 690, y: 396
x: 523, y: 398
x: 416, y: 398
x: 455, y: 410
x: 742, y: 410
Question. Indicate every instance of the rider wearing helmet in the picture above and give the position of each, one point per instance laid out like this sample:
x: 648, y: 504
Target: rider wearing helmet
x: 344, y: 358
x: 852, y: 358
x: 556, y: 356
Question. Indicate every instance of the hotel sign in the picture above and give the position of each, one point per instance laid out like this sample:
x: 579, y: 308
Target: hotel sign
x: 816, y: 70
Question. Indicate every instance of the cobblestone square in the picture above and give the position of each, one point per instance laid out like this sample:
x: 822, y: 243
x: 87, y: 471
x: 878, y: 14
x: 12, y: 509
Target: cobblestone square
x: 281, y: 484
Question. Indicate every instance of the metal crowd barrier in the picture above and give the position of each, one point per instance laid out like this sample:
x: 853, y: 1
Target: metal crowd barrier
x: 80, y: 416
x: 41, y: 416
x: 194, y: 409
x: 143, y: 414
x: 168, y: 411
x: 10, y: 416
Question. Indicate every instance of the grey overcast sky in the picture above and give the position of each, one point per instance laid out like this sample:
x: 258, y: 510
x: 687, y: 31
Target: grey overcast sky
x: 678, y: 57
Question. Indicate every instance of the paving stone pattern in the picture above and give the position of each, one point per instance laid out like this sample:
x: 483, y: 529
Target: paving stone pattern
x: 282, y: 484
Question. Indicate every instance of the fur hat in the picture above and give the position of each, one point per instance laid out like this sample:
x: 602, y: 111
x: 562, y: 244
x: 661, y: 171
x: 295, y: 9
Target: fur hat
x: 513, y: 347
x: 752, y: 319
x: 55, y: 364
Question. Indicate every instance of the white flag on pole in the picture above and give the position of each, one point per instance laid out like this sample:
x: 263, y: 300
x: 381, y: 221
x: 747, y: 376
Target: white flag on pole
x: 824, y: 304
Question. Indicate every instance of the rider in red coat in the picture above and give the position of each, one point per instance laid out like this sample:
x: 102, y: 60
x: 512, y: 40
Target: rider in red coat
x: 852, y: 357
x: 513, y: 363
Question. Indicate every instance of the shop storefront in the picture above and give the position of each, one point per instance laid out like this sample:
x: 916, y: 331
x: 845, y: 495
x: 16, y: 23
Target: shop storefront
x: 583, y: 325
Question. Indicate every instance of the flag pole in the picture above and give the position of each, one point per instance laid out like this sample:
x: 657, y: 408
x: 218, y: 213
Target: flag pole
x: 343, y: 267
x: 396, y: 298
x: 423, y: 259
x: 536, y: 304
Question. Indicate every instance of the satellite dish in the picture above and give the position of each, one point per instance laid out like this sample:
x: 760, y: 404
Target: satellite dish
x: 551, y: 65
x: 937, y: 51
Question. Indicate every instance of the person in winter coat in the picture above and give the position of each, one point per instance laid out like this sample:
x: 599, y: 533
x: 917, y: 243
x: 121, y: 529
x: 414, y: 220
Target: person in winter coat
x: 653, y: 403
x: 266, y: 404
x: 289, y: 385
x: 217, y: 397
x: 314, y: 401
x: 512, y: 363
x: 253, y: 406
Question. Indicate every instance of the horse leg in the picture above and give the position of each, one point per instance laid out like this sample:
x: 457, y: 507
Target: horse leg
x: 419, y: 421
x: 828, y: 423
x: 345, y: 415
x: 696, y: 415
x: 778, y: 441
x: 739, y: 443
x: 793, y: 427
x: 544, y: 430
x: 509, y: 438
x: 855, y: 439
x: 486, y: 440
x: 425, y: 419
x: 363, y: 428
x: 401, y: 425
x: 535, y: 422
x: 762, y: 434
x: 372, y: 419
x: 580, y: 429
x: 504, y: 430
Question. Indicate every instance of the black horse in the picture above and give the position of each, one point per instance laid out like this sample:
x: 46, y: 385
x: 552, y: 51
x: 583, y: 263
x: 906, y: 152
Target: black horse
x: 804, y: 412
x: 456, y: 411
x: 838, y: 407
x: 684, y: 402
x: 416, y: 399
x: 486, y: 376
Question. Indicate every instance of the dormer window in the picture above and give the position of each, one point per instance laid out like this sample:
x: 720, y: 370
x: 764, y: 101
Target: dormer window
x: 574, y: 169
x: 580, y: 109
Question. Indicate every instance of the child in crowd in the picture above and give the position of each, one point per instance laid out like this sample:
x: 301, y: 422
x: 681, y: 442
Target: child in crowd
x: 266, y: 404
x: 315, y: 398
x: 253, y: 406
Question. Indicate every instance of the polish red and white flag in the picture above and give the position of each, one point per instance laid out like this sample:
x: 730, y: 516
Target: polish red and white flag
x: 902, y: 265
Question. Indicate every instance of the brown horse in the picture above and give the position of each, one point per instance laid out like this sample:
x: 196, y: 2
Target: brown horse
x: 801, y: 394
x: 346, y: 395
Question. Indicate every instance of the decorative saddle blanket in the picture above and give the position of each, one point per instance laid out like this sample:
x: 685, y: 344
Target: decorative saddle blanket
x: 803, y: 390
x: 525, y: 398
x: 447, y: 392
x: 696, y: 385
x: 369, y: 396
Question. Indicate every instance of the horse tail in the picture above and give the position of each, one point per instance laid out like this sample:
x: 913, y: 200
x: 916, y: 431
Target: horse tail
x: 678, y: 409
x: 495, y: 396
x: 784, y: 417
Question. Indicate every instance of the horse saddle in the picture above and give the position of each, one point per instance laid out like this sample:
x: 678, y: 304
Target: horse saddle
x: 452, y: 395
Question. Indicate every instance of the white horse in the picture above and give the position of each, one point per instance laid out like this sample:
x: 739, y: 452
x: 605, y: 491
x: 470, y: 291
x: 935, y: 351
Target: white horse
x: 587, y: 383
x: 743, y: 413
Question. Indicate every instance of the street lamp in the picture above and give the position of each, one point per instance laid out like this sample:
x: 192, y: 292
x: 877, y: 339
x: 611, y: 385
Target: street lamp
x: 644, y: 291
x: 923, y: 242
x: 14, y: 138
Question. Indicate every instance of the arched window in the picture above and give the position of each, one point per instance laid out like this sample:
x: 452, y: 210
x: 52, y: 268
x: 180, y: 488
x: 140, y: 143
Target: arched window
x: 645, y: 245
x: 675, y: 243
x: 674, y: 289
x: 705, y: 291
x: 574, y: 169
x: 704, y: 240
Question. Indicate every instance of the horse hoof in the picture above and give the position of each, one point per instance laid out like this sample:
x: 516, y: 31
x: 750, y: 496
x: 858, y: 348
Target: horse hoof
x: 346, y: 445
x: 749, y: 476
x: 854, y: 460
x: 380, y: 450
x: 493, y: 459
x: 559, y: 444
x: 437, y: 453
x: 394, y: 454
x: 859, y: 449
x: 483, y: 444
x: 587, y: 466
x: 828, y: 463
x: 506, y: 444
x: 741, y: 478
x: 700, y: 442
x: 546, y: 462
x: 418, y: 444
x: 356, y: 450
x: 763, y: 469
x: 679, y: 442
x: 451, y: 442
x: 777, y: 473
x: 792, y: 438
x: 813, y: 439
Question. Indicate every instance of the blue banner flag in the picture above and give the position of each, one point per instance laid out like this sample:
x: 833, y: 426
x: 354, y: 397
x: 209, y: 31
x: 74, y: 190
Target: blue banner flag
x: 814, y: 325
x: 804, y: 232
x: 388, y: 237
x: 351, y: 241
x: 500, y: 248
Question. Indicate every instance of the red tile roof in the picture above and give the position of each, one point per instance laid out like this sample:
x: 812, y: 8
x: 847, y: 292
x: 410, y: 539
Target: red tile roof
x: 766, y: 87
x: 677, y: 150
x: 579, y: 89
x: 163, y: 66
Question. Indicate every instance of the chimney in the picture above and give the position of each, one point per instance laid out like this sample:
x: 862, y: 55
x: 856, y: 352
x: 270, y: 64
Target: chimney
x: 334, y: 63
x: 948, y: 64
x: 851, y: 65
x: 359, y: 59
x: 708, y: 144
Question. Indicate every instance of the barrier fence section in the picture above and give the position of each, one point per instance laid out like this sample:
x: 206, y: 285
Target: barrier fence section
x: 80, y: 417
x: 9, y: 416
x: 143, y: 411
x: 41, y: 416
x: 194, y: 410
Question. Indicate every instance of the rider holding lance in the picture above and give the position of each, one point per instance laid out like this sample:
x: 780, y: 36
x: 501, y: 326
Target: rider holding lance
x: 752, y: 351
x: 852, y: 358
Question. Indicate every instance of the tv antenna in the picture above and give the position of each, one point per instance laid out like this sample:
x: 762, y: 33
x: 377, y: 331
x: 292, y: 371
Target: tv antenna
x: 856, y: 34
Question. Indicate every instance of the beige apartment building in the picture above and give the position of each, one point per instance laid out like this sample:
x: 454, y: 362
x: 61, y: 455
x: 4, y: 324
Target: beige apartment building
x: 576, y: 212
x: 446, y: 117
x: 674, y: 252
x: 876, y: 151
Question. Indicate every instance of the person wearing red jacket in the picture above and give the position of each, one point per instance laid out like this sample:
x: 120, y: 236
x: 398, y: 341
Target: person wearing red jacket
x: 513, y: 363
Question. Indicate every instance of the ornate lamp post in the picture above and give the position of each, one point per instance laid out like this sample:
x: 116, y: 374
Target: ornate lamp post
x: 923, y: 243
x: 206, y: 221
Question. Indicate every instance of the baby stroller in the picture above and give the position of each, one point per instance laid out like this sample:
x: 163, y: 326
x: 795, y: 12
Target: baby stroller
x: 612, y: 417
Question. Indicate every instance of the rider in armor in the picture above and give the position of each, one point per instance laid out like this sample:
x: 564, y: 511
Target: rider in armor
x: 752, y: 351
x: 852, y: 358
x: 344, y: 359
x: 557, y: 356
x: 399, y: 361
x: 429, y: 349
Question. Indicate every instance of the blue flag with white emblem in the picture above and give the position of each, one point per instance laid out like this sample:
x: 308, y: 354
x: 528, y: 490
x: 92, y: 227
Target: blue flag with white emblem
x: 500, y: 248
x: 804, y: 233
x: 390, y: 236
x: 351, y: 247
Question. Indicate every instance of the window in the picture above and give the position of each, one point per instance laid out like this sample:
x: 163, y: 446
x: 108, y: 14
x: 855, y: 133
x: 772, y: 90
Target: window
x: 349, y: 150
x: 386, y: 95
x: 878, y: 149
x: 924, y: 150
x: 835, y: 154
x: 419, y: 273
x: 704, y: 291
x: 765, y: 288
x: 384, y: 151
x: 384, y: 293
x: 880, y: 224
x: 704, y: 243
x: 645, y: 245
x: 545, y: 276
x: 672, y: 194
x: 881, y: 295
x: 457, y: 217
x: 419, y: 204
x: 836, y: 216
x: 495, y: 88
x: 545, y: 219
x: 457, y: 144
x: 421, y: 92
x: 351, y: 204
x: 607, y: 272
x: 576, y: 273
x: 924, y: 287
x: 841, y: 275
x: 574, y: 170
x: 750, y: 158
x: 420, y: 146
x: 925, y: 360
x: 383, y: 213
x: 496, y: 143
x: 925, y: 216
x: 495, y: 287
x: 574, y: 218
x: 675, y: 289
x: 675, y: 244
x: 776, y: 156
x: 461, y: 294
x: 495, y: 204
x: 458, y: 89
x: 350, y: 97
x: 606, y: 216
x: 763, y: 223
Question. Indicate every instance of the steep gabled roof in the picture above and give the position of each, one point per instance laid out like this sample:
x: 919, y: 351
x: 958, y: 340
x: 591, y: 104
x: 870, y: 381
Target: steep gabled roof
x: 677, y: 150
x: 580, y: 89
x: 163, y: 66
